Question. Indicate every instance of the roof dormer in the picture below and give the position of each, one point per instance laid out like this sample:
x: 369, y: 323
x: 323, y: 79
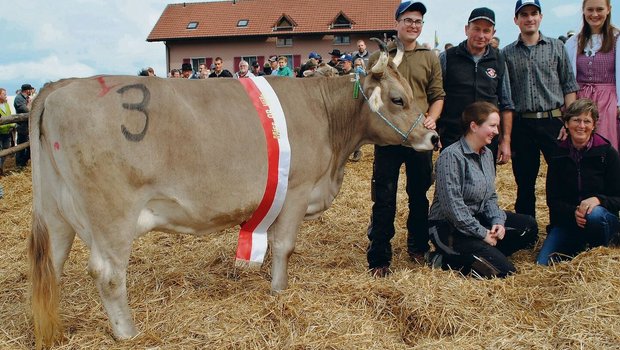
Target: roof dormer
x: 284, y: 23
x: 341, y: 22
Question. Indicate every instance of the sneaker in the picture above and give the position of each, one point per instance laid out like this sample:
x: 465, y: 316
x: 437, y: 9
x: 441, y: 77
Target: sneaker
x: 434, y: 260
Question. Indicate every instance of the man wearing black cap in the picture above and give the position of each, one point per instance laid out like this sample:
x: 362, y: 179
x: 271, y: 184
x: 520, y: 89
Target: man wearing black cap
x: 256, y: 69
x: 542, y: 82
x: 420, y: 68
x: 186, y: 71
x: 475, y: 71
x: 22, y: 105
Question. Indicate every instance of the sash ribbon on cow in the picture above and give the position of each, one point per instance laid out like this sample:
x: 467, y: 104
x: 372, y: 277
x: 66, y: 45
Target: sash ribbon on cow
x: 253, y: 242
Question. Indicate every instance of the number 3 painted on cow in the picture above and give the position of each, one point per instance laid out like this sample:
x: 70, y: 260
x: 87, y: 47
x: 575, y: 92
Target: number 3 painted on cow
x: 141, y: 107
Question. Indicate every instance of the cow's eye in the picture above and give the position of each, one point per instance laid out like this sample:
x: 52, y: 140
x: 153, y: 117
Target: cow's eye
x: 397, y: 101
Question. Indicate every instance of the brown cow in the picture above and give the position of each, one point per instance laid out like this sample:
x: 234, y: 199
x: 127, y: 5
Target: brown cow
x: 116, y: 157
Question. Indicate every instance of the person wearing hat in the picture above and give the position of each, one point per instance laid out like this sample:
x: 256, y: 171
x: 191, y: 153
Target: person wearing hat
x: 420, y: 68
x: 313, y: 61
x: 541, y: 83
x: 273, y: 63
x: 335, y: 59
x: 22, y: 105
x: 475, y: 71
x: 256, y: 69
x: 347, y: 64
x: 186, y: 71
x: 6, y: 130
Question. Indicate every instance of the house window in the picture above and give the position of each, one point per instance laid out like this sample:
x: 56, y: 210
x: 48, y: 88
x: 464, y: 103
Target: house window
x: 243, y: 23
x: 342, y: 40
x: 192, y: 25
x: 196, y: 62
x: 249, y: 59
x: 284, y: 42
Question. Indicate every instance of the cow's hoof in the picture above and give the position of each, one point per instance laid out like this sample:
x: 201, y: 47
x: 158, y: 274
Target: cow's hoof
x: 356, y: 156
x: 380, y: 272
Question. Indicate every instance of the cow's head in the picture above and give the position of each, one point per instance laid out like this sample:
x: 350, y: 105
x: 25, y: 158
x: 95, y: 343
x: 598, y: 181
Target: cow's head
x: 391, y: 99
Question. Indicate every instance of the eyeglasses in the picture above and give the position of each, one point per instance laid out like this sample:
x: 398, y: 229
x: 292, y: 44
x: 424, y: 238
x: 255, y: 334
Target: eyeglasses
x: 586, y: 122
x: 412, y: 23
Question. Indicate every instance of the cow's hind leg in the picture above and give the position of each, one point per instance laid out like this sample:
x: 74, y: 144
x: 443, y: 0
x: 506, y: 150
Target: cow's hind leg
x: 108, y: 267
x: 62, y: 236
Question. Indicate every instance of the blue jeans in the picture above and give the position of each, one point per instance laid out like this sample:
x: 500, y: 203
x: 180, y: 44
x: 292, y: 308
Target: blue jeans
x: 563, y: 242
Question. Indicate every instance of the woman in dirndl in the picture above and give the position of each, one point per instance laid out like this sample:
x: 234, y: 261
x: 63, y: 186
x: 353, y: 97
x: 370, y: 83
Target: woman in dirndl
x: 594, y: 56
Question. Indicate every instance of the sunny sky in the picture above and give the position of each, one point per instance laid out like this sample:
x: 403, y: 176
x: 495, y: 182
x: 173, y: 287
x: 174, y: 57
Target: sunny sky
x: 80, y: 38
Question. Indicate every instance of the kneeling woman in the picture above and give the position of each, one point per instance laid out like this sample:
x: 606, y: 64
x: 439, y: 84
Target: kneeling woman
x: 469, y: 230
x: 583, y: 188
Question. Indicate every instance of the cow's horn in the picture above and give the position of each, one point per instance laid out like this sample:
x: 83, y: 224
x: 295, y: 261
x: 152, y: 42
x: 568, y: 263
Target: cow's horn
x: 400, y: 51
x: 382, y: 62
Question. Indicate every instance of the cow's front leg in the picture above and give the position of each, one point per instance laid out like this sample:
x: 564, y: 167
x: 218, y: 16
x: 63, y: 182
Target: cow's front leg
x: 282, y: 236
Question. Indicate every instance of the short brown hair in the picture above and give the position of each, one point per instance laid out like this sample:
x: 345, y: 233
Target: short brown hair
x: 579, y: 107
x: 477, y: 112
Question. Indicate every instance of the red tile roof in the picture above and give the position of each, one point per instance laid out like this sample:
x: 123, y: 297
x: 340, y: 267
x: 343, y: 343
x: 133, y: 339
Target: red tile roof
x: 219, y: 19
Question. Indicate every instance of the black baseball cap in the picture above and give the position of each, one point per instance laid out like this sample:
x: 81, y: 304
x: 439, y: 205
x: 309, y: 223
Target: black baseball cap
x: 410, y: 6
x: 484, y: 13
x: 522, y: 3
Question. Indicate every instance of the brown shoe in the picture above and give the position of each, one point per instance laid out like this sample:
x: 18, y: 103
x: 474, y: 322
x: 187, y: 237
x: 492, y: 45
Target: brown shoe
x: 380, y: 272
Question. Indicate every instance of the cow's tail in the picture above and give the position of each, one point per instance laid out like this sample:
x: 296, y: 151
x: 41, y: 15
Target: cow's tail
x: 45, y: 293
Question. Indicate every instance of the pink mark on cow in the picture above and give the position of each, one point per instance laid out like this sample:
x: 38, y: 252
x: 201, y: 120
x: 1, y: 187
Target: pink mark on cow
x: 104, y: 88
x: 56, y: 145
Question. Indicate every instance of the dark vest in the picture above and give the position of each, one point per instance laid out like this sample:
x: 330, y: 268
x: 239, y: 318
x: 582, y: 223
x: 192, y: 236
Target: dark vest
x: 466, y: 82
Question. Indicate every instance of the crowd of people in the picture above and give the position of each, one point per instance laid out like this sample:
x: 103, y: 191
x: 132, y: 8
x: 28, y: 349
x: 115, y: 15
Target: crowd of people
x: 490, y: 106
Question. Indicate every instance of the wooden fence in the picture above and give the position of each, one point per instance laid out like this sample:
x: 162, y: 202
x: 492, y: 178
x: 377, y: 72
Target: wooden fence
x: 15, y: 118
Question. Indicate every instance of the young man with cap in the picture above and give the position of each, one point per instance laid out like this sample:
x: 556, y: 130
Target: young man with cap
x: 256, y: 69
x: 420, y: 68
x: 22, y: 105
x: 186, y: 71
x: 475, y: 71
x: 347, y: 64
x: 542, y: 82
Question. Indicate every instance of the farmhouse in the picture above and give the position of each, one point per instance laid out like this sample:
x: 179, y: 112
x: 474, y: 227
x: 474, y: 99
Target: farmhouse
x: 254, y: 30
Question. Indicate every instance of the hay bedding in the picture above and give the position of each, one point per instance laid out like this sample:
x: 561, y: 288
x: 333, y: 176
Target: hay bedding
x: 186, y: 294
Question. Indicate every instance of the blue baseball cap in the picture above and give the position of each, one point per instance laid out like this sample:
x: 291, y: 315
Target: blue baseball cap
x: 410, y: 6
x: 314, y: 55
x: 522, y: 3
x: 346, y: 58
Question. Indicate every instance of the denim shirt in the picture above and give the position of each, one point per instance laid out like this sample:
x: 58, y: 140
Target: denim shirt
x: 465, y: 189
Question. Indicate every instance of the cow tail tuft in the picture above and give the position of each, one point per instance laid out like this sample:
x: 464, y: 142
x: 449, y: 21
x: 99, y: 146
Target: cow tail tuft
x: 45, y: 293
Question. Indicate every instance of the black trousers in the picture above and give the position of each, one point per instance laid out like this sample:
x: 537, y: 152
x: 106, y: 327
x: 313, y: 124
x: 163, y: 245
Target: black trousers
x: 529, y: 138
x: 386, y: 169
x: 472, y: 254
x: 22, y: 157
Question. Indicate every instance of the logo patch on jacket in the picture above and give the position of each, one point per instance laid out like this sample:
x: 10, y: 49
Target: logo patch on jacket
x: 491, y: 73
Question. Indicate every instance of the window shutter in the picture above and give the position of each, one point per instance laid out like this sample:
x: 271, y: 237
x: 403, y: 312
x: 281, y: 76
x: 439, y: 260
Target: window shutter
x: 209, y: 61
x: 236, y: 64
x: 296, y: 61
x: 261, y: 61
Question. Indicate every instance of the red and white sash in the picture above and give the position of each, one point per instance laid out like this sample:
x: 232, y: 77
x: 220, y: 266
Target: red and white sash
x: 252, y: 244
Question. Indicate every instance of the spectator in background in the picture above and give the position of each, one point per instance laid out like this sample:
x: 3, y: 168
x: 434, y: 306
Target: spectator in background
x: 219, y: 71
x: 447, y: 46
x: 283, y: 69
x: 22, y: 105
x: 594, y: 55
x: 6, y: 130
x: 313, y: 59
x: 334, y: 60
x: 151, y: 71
x: 175, y: 73
x: 273, y: 62
x: 256, y: 69
x: 186, y: 71
x: 360, y: 66
x: 495, y: 42
x: 347, y: 65
x: 267, y: 69
x: 361, y: 52
x: 244, y: 70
